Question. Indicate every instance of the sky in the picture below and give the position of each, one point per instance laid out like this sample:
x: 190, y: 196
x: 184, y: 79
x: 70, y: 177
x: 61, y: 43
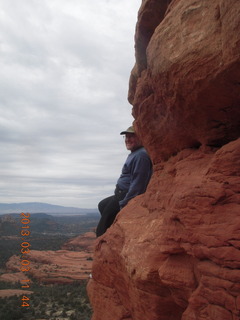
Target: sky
x: 64, y: 73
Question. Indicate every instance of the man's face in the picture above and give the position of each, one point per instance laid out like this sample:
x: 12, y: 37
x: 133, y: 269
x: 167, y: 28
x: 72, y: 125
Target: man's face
x: 132, y: 141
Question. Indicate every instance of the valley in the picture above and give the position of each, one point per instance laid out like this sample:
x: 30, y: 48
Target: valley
x: 45, y: 264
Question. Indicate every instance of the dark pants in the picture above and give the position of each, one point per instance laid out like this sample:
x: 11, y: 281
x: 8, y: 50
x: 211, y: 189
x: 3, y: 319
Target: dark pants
x: 109, y: 208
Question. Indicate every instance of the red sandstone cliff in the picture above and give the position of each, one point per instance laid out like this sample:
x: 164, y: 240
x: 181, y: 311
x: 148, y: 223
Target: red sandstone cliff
x: 174, y: 252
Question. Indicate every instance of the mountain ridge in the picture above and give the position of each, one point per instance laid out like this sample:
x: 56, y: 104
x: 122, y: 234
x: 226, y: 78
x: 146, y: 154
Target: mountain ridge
x: 41, y: 207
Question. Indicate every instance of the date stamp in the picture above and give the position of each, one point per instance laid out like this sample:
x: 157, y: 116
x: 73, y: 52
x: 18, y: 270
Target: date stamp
x: 25, y: 250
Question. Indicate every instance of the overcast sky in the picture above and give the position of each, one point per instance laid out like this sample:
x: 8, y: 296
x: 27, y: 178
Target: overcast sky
x: 64, y: 72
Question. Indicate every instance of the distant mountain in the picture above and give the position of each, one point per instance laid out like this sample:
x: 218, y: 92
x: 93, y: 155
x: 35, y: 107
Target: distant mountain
x: 10, y: 224
x: 39, y: 207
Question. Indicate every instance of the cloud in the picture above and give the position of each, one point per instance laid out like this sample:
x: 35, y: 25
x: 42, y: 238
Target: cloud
x: 64, y: 71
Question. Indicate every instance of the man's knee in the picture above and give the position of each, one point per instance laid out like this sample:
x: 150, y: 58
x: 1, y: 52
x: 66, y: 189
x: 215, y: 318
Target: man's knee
x: 101, y: 206
x: 104, y: 203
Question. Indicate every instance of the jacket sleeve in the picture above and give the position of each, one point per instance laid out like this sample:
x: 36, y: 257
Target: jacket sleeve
x: 140, y: 175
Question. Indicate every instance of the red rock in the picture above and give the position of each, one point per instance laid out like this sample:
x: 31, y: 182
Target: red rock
x: 13, y: 277
x: 83, y: 242
x: 174, y: 252
x: 169, y: 249
x: 5, y: 293
x: 61, y: 266
x: 187, y: 93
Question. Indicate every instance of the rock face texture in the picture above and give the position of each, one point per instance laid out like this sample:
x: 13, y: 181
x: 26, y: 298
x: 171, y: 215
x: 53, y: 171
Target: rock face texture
x: 174, y: 252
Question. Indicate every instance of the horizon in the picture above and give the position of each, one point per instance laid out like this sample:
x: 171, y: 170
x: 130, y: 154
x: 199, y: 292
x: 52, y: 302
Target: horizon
x: 43, y: 208
x: 45, y: 203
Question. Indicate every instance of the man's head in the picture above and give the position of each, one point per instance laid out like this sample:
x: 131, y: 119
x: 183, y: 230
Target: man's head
x: 131, y: 139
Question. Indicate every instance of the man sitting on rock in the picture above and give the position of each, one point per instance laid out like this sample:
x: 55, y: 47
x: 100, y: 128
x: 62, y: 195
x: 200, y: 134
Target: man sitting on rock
x: 133, y: 181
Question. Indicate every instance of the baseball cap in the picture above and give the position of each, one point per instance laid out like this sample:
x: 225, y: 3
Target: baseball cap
x: 129, y: 130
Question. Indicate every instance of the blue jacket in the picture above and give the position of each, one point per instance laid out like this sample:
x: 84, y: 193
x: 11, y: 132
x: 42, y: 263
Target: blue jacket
x: 136, y: 173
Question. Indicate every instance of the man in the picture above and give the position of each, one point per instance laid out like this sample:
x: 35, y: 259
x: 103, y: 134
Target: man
x: 133, y: 181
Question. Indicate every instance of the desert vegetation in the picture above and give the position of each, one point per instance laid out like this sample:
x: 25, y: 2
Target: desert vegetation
x: 53, y: 302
